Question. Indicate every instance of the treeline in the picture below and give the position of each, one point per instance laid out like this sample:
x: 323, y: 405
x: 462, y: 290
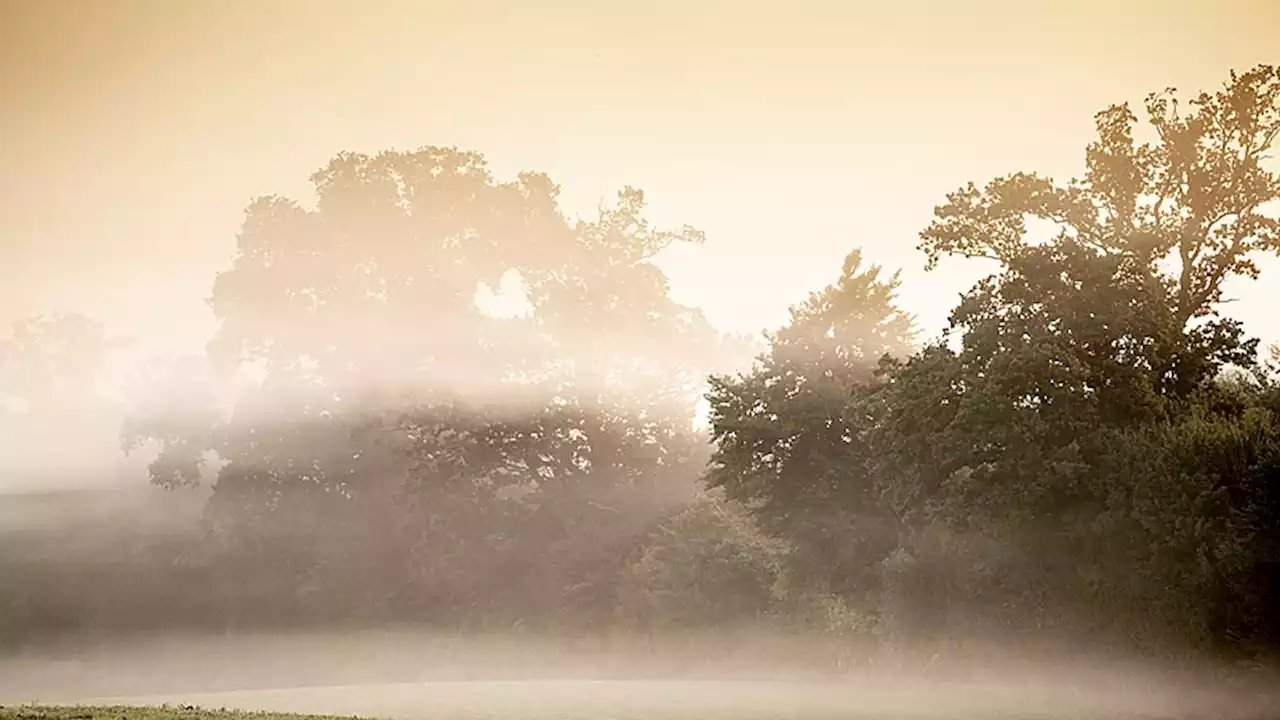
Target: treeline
x: 1090, y: 451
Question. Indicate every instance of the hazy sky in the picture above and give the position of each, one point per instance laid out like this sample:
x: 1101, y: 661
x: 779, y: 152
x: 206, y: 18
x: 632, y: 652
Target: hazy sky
x: 134, y: 133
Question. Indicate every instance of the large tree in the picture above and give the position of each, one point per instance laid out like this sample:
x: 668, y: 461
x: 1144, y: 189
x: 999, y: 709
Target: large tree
x: 1099, y: 338
x: 1115, y: 318
x: 1068, y: 452
x: 450, y: 455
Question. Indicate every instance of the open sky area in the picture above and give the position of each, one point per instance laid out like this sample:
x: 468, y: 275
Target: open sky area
x: 134, y: 133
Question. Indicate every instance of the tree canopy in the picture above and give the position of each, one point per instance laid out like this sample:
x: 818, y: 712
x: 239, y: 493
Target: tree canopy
x: 389, y: 398
x: 432, y: 396
x: 1006, y: 454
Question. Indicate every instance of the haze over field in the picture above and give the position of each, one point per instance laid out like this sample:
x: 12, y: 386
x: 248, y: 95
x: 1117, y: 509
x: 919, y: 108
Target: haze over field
x: 409, y: 674
x: 910, y: 353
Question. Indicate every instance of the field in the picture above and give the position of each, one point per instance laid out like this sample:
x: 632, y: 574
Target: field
x: 477, y: 700
x: 570, y: 701
x: 140, y: 713
x: 418, y: 676
x: 573, y: 700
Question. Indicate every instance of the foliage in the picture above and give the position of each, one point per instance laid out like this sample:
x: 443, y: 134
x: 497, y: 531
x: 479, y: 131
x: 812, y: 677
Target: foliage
x: 1087, y: 337
x: 55, y: 389
x: 1067, y: 456
x: 706, y: 566
x: 1091, y: 450
x: 407, y: 453
x: 791, y: 434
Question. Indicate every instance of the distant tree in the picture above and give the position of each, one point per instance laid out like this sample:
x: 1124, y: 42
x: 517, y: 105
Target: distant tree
x: 53, y: 359
x: 173, y: 403
x: 452, y: 455
x: 55, y: 387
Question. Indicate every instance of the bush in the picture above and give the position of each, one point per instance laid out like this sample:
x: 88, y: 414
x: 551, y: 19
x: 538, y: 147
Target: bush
x: 709, y: 564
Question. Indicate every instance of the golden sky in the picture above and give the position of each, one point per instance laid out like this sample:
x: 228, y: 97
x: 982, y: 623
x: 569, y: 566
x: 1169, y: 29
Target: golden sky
x: 134, y: 132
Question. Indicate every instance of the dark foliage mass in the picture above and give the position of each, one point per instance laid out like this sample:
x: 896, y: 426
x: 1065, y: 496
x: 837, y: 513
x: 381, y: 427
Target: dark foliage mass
x: 1091, y: 450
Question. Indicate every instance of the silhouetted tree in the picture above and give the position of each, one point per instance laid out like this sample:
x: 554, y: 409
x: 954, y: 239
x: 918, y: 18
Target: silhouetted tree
x: 1076, y: 460
x: 1085, y: 347
x: 441, y: 457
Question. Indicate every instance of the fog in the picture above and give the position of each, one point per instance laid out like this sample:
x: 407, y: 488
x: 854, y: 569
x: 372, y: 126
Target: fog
x: 410, y: 673
x: 458, y: 443
x: 746, y: 669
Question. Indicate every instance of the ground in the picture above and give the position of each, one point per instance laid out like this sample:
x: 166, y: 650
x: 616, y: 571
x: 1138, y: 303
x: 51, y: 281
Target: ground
x: 186, y: 712
x: 407, y: 675
x: 31, y: 712
x: 613, y: 700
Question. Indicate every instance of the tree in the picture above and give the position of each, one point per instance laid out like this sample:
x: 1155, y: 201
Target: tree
x: 1076, y: 459
x: 55, y: 385
x: 707, y: 565
x: 1109, y: 328
x: 1195, y: 199
x: 791, y: 434
x: 1088, y: 328
x: 1199, y: 194
x: 1185, y: 543
x: 408, y: 452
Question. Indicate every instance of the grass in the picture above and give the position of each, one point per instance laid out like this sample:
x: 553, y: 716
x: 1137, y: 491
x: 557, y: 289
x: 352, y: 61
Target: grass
x: 162, y: 712
x: 188, y: 712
